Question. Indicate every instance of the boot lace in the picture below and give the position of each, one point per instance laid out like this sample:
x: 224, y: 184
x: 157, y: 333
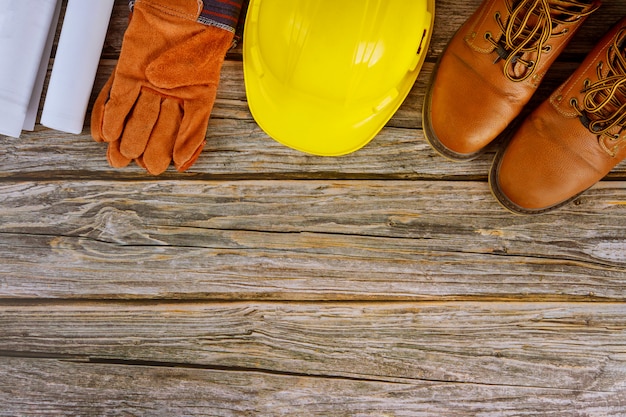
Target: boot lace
x: 531, y: 23
x: 603, y: 107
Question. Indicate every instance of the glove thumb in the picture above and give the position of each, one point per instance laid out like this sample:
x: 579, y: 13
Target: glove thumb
x: 196, y: 61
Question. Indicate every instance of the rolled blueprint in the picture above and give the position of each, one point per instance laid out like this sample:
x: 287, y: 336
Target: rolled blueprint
x: 24, y: 28
x: 35, y: 98
x: 75, y: 64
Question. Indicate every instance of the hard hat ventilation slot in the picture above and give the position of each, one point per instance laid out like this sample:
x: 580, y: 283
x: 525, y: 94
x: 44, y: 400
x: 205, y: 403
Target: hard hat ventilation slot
x: 419, y: 48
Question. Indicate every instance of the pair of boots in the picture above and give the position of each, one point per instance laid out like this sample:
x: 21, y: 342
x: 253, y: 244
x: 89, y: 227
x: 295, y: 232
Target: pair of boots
x: 488, y: 73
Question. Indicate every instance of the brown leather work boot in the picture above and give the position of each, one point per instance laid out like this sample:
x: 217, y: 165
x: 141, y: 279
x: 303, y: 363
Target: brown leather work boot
x: 491, y: 68
x: 573, y: 139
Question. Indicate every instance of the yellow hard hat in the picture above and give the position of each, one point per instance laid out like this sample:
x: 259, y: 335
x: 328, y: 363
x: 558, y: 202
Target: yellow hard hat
x: 324, y: 76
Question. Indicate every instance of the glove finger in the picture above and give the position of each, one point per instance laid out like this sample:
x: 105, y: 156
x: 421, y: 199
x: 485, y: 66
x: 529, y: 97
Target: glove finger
x: 97, y: 112
x: 140, y: 163
x: 192, y: 134
x: 114, y: 156
x: 140, y: 124
x: 158, y: 153
x: 121, y: 101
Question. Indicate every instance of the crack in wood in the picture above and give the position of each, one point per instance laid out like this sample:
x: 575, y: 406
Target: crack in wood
x: 272, y: 372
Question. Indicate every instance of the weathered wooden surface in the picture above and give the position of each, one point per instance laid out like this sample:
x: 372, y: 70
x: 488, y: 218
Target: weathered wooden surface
x: 273, y: 359
x: 268, y: 282
x: 550, y: 345
x: 304, y: 239
x: 74, y: 388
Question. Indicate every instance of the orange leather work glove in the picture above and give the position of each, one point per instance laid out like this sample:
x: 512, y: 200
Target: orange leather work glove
x: 155, y: 107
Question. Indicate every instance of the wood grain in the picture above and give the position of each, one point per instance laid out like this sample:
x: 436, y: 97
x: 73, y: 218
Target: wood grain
x: 571, y: 346
x: 51, y: 387
x: 303, y: 240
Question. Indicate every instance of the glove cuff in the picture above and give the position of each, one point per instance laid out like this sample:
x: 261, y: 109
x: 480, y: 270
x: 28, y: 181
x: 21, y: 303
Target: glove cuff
x: 223, y: 14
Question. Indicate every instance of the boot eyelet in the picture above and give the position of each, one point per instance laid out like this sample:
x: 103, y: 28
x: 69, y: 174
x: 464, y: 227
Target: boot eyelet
x: 573, y: 102
x: 488, y: 35
x: 547, y: 49
x: 496, y: 16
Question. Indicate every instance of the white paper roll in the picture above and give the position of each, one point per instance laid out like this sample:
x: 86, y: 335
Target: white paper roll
x: 35, y: 98
x: 75, y: 64
x: 24, y: 27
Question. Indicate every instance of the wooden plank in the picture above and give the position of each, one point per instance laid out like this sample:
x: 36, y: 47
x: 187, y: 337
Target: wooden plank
x: 303, y: 239
x: 567, y: 346
x: 38, y: 387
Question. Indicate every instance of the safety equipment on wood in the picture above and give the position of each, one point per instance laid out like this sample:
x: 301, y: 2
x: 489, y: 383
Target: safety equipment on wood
x: 324, y: 76
x: 156, y: 106
x: 573, y: 139
x: 491, y: 68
